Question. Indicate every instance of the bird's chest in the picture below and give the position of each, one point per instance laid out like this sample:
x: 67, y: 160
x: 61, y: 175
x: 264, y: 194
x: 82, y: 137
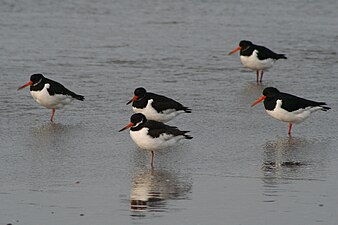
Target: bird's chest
x: 41, y: 96
x: 283, y: 115
x: 147, y: 142
x: 141, y: 138
x: 49, y: 101
x: 147, y: 109
x: 151, y: 112
x: 253, y: 62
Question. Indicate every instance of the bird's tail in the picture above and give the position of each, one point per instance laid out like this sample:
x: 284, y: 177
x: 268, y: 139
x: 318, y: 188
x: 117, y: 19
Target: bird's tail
x: 281, y: 56
x: 187, y: 110
x: 186, y: 135
x: 325, y: 108
x: 78, y: 97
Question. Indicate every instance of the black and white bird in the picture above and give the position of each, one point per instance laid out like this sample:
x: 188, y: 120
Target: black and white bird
x: 156, y: 107
x: 153, y: 135
x: 288, y: 108
x: 256, y: 57
x: 49, y: 93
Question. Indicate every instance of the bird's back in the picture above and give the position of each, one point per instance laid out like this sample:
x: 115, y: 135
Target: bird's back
x: 265, y: 53
x: 162, y: 103
x: 57, y: 88
x: 293, y: 103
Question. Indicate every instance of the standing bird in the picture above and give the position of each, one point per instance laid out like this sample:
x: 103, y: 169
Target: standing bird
x: 49, y: 93
x: 256, y: 57
x: 153, y: 135
x: 288, y: 108
x: 156, y: 107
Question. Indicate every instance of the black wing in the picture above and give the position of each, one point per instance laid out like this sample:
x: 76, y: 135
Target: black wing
x: 265, y: 53
x: 57, y: 88
x: 162, y: 103
x: 158, y: 128
x: 292, y: 103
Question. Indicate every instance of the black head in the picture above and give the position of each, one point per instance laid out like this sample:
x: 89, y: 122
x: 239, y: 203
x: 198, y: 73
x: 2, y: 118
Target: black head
x: 135, y: 120
x: 138, y: 118
x: 140, y: 92
x: 270, y: 92
x: 35, y: 78
x: 245, y: 44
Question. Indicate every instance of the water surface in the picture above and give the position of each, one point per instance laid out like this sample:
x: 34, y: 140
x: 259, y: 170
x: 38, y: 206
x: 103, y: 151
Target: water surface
x: 240, y: 168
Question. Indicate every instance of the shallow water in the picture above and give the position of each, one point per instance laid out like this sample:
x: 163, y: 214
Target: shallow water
x: 240, y: 168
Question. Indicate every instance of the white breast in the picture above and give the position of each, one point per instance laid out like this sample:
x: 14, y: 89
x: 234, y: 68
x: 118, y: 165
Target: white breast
x: 152, y: 114
x: 146, y: 142
x: 56, y: 101
x: 254, y: 63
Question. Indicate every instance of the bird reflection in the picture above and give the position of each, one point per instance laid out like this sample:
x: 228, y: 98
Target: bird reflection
x: 286, y: 152
x: 152, y: 188
x: 283, y: 161
x: 52, y: 135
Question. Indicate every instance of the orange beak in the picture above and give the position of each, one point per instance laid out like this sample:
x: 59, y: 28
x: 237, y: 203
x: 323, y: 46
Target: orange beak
x: 258, y: 100
x: 132, y: 100
x: 23, y: 86
x: 126, y: 127
x: 235, y: 50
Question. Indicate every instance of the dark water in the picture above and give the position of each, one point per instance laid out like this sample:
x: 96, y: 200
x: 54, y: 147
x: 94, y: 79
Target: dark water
x: 240, y: 168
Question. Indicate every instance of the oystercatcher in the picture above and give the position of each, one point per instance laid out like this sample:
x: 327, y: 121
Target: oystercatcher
x: 256, y: 57
x: 49, y: 93
x: 156, y: 107
x: 288, y: 108
x: 153, y: 135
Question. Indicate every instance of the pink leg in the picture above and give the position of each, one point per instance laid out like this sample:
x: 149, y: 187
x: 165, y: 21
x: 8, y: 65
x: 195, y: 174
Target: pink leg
x: 51, y: 118
x: 290, y: 126
x: 257, y: 75
x: 260, y: 80
x: 152, y: 160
